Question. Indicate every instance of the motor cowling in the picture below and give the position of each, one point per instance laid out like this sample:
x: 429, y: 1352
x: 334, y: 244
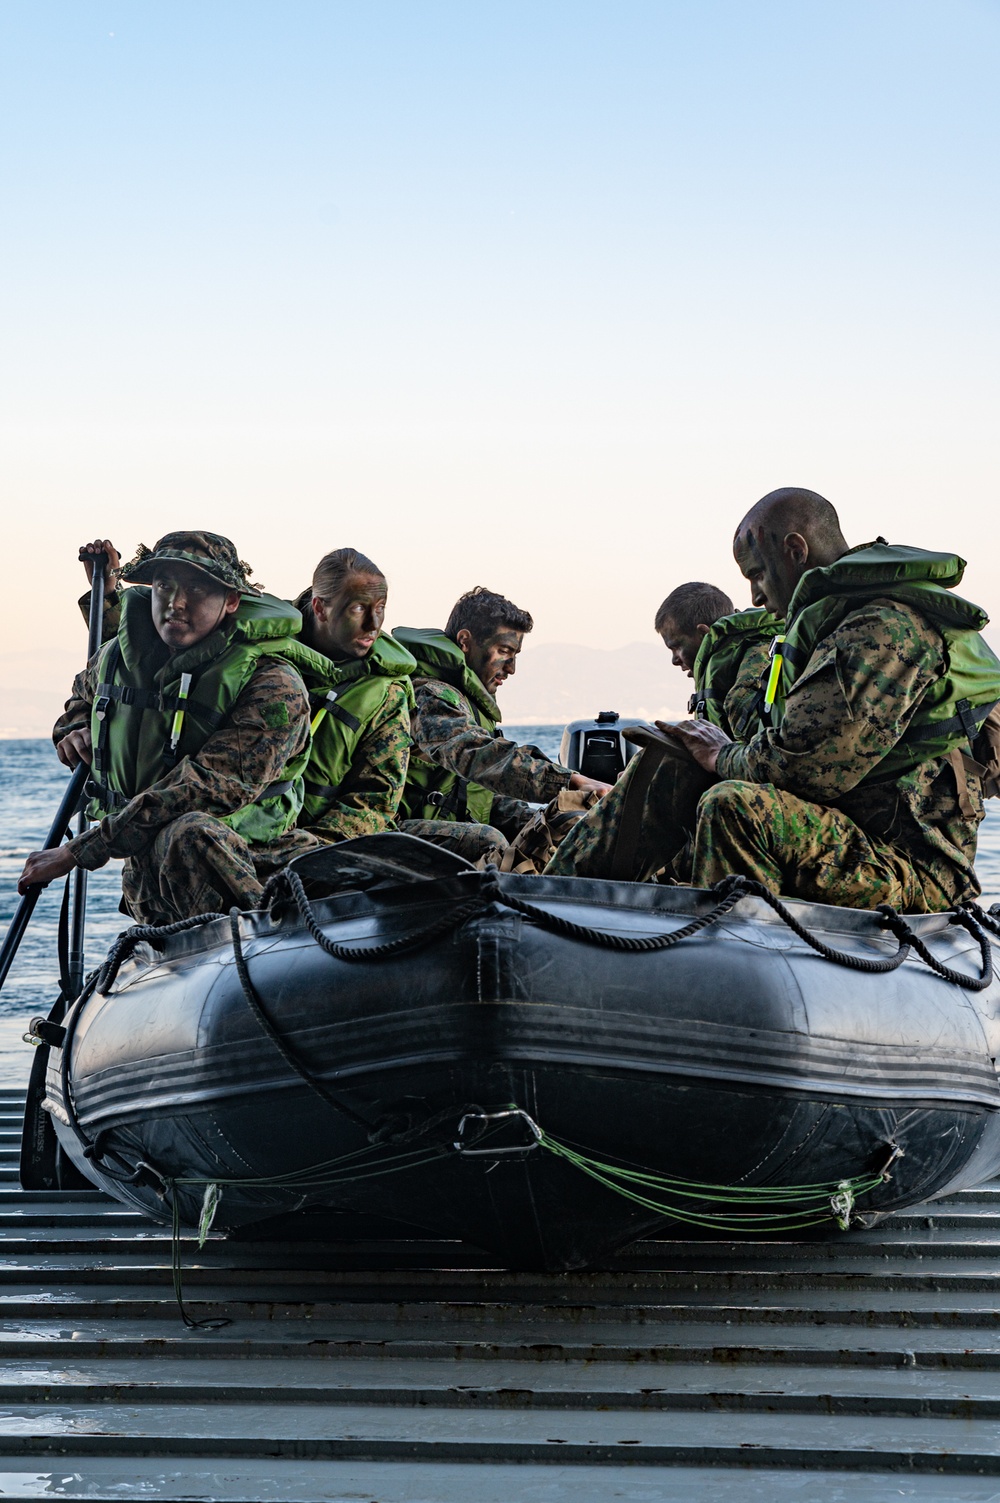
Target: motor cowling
x: 599, y: 748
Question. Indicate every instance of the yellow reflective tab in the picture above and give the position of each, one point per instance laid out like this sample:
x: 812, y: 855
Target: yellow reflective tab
x: 774, y: 677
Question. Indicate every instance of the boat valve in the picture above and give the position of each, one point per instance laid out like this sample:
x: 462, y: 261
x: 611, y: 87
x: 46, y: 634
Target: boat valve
x: 41, y: 1031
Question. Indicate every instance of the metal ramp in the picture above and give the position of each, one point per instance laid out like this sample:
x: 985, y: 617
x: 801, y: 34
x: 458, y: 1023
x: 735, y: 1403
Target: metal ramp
x: 381, y: 1371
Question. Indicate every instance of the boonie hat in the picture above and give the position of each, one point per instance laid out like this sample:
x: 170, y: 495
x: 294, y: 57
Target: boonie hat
x: 208, y: 552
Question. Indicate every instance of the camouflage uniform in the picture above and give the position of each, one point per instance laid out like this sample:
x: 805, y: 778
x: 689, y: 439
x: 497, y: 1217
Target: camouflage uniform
x: 446, y: 732
x: 795, y: 809
x: 180, y: 859
x: 741, y: 708
x: 368, y: 797
x: 668, y: 823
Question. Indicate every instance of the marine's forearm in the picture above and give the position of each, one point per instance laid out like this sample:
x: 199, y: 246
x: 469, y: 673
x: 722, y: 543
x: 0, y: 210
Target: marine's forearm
x: 450, y: 739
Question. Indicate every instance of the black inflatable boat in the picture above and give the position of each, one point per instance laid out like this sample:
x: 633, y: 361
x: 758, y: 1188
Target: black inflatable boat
x: 548, y: 1068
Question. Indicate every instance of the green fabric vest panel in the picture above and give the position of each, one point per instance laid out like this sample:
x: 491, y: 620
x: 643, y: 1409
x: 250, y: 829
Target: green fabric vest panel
x: 957, y: 703
x: 438, y: 657
x: 345, y: 698
x: 137, y: 695
x: 720, y: 657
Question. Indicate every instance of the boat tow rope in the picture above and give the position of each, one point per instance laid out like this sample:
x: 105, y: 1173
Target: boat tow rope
x: 729, y: 891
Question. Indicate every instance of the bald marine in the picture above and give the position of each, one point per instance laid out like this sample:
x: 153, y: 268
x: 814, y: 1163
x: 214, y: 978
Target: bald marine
x: 787, y: 532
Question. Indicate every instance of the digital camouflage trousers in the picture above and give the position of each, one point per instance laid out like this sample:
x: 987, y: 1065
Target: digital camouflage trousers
x: 474, y: 842
x: 698, y: 830
x: 197, y: 864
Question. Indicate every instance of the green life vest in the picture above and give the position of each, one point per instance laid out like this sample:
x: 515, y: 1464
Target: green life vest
x: 957, y: 703
x: 154, y: 707
x: 717, y: 667
x: 433, y: 792
x: 345, y: 698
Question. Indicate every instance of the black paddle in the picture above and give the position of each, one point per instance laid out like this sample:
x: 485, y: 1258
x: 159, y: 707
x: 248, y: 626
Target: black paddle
x: 26, y: 907
x: 43, y: 1165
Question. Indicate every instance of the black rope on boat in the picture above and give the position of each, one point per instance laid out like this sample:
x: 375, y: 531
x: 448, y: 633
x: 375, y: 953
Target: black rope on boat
x: 968, y: 921
x: 894, y: 922
x: 729, y: 892
x: 288, y: 1054
x: 488, y: 893
x: 625, y: 943
x: 153, y: 934
x: 990, y: 920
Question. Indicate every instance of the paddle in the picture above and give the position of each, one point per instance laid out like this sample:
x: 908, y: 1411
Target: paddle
x: 43, y: 1166
x: 78, y: 878
x: 26, y: 907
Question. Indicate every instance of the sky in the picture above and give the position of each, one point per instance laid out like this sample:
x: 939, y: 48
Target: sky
x: 536, y: 294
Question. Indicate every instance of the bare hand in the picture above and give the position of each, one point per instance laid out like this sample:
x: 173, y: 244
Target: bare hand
x: 591, y: 785
x: 700, y: 737
x: 43, y: 867
x: 112, y: 568
x: 76, y: 747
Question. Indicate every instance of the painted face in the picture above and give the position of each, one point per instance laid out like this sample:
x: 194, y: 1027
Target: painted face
x: 187, y: 605
x: 769, y: 566
x: 347, y: 625
x: 495, y: 659
x: 682, y: 645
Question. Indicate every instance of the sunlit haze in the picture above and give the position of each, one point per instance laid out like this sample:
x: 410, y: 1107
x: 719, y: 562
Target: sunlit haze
x: 537, y: 295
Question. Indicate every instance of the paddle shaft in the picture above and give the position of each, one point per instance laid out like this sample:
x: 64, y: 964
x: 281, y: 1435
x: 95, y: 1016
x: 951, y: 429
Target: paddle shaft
x: 26, y: 907
x: 78, y: 901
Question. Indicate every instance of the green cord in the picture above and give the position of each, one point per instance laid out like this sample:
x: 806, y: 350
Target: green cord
x: 808, y: 1206
x: 816, y: 1203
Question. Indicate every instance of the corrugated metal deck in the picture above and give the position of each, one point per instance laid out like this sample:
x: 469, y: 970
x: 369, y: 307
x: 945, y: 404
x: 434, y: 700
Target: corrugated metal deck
x: 386, y: 1371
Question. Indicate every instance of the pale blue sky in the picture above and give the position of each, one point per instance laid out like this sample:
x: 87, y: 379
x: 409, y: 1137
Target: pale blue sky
x: 537, y: 295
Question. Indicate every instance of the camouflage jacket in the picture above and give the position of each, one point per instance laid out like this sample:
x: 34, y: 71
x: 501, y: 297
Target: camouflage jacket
x: 446, y: 732
x: 368, y: 797
x: 267, y: 726
x: 847, y: 709
x: 742, y: 706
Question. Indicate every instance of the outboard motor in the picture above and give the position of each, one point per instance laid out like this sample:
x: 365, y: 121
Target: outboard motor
x: 599, y: 748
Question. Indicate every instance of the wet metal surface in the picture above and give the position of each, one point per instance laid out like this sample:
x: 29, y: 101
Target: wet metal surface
x: 861, y: 1368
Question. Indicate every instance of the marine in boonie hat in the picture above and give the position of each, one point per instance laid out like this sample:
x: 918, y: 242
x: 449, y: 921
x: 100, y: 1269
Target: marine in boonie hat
x: 209, y: 552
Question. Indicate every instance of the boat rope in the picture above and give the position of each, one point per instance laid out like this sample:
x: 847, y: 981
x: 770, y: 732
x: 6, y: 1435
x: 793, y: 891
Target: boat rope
x: 288, y: 1054
x: 799, y: 1206
x: 965, y: 920
x: 729, y: 892
x: 400, y: 946
x: 153, y: 934
x: 742, y: 1209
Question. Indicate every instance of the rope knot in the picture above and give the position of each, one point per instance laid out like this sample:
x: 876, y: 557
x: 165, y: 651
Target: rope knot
x: 740, y: 887
x: 893, y: 921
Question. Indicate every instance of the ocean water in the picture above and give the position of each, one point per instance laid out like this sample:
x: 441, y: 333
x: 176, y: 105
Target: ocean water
x: 31, y: 784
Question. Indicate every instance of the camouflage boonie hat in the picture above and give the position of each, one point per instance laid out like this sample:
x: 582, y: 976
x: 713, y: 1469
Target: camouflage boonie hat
x: 213, y: 554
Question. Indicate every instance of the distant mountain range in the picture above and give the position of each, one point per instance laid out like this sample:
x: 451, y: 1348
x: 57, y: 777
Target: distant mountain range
x: 555, y: 682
